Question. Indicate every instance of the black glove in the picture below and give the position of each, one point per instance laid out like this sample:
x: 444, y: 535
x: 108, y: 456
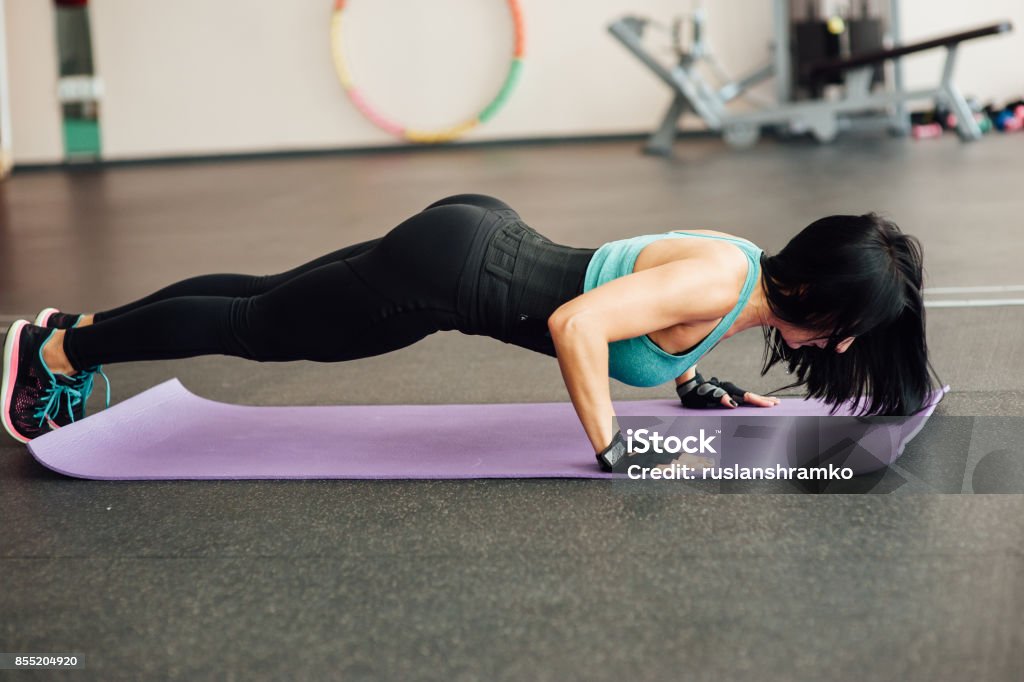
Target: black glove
x: 614, y: 454
x: 617, y: 458
x: 700, y: 394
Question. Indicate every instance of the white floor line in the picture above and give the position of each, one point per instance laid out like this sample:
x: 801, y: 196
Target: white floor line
x: 973, y: 290
x: 974, y: 303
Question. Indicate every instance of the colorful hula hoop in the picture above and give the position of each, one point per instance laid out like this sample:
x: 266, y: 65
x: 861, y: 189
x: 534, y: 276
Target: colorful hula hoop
x: 412, y: 134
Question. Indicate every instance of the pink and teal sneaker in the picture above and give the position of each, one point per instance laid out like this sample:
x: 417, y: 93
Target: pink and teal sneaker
x: 35, y: 400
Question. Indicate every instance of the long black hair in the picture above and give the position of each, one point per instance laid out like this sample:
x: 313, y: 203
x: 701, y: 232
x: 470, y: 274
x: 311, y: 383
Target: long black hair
x: 860, y: 276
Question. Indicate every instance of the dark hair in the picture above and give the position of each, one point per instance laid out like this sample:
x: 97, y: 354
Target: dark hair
x: 860, y: 276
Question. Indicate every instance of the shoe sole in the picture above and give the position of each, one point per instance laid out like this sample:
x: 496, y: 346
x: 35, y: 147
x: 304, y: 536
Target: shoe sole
x: 44, y: 316
x: 10, y: 376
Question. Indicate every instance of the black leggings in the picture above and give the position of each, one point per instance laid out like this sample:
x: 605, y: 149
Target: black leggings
x: 466, y: 262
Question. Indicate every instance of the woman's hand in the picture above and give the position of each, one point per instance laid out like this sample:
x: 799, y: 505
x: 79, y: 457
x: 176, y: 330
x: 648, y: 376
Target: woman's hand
x: 698, y: 393
x: 759, y: 400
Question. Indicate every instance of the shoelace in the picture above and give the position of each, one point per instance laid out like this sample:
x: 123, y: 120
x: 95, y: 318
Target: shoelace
x: 84, y: 381
x: 70, y: 395
x: 52, y: 401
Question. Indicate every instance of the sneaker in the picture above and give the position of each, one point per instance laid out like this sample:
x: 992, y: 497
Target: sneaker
x: 35, y: 401
x: 52, y: 318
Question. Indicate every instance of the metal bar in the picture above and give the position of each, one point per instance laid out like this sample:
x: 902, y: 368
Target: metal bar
x: 627, y: 31
x: 709, y: 98
x: 900, y: 117
x: 948, y: 66
x: 780, y: 25
x: 731, y: 91
x: 966, y: 127
x: 660, y: 142
x: 787, y: 113
x: 858, y: 82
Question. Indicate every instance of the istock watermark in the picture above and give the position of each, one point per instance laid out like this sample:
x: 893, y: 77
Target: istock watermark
x: 642, y: 441
x: 738, y: 473
x: 820, y: 454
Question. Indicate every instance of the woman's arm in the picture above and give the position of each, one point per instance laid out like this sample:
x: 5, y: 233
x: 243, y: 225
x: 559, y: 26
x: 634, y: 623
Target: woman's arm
x: 686, y: 376
x: 688, y: 290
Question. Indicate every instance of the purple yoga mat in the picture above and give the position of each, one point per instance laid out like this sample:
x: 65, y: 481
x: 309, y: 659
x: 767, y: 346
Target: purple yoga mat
x: 169, y: 433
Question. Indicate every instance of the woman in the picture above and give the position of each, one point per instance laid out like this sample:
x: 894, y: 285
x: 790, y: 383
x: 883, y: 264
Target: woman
x: 840, y: 305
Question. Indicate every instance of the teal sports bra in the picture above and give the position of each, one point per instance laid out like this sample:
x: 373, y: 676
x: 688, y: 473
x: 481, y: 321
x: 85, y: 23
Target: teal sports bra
x: 639, y: 361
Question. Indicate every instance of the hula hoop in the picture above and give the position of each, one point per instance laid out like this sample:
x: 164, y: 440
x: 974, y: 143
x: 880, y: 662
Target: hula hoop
x: 413, y: 134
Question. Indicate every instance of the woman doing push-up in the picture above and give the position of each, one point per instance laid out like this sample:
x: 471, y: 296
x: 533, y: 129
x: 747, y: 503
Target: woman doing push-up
x: 840, y: 306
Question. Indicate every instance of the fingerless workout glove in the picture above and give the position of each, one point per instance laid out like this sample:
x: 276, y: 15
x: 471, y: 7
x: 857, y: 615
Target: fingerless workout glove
x: 613, y: 454
x: 699, y: 394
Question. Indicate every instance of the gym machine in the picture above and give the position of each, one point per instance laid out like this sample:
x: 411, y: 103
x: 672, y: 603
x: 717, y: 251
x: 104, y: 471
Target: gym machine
x: 823, y: 118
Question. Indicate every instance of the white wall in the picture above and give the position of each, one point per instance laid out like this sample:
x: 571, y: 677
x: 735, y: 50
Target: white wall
x: 201, y: 77
x: 257, y: 75
x: 32, y: 69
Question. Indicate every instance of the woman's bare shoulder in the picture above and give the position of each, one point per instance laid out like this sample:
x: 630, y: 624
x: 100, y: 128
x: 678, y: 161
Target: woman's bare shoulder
x: 726, y: 255
x: 728, y: 261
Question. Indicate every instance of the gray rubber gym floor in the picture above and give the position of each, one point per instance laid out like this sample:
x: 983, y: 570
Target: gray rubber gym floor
x: 514, y: 580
